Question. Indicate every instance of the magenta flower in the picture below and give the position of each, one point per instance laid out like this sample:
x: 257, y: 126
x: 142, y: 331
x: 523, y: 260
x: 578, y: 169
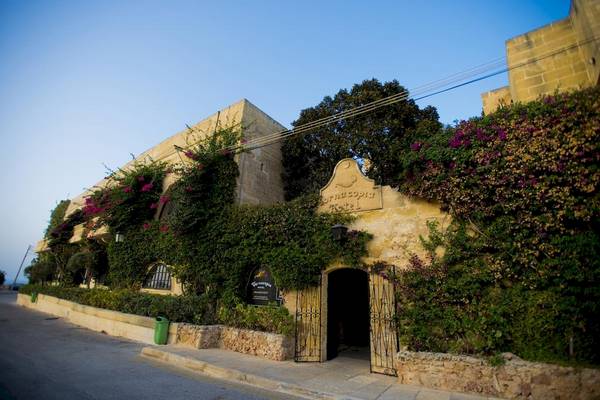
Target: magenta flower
x: 164, y: 228
x: 153, y: 206
x: 164, y: 199
x: 190, y: 154
x: 147, y: 187
x: 140, y: 178
x: 416, y: 146
x: 146, y: 226
x: 127, y: 189
x: 188, y: 189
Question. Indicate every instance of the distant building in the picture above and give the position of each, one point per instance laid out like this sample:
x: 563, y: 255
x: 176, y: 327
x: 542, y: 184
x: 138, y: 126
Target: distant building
x: 554, y: 69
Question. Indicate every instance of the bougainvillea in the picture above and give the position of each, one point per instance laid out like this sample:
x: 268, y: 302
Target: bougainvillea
x: 128, y: 197
x: 525, y: 181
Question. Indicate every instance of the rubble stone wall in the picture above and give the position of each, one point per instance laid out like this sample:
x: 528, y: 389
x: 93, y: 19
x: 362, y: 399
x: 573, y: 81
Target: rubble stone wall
x: 515, y: 379
x: 261, y: 344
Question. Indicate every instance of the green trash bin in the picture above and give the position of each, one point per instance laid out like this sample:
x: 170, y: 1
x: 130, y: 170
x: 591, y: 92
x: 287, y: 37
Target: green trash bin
x: 161, y: 330
x: 34, y: 297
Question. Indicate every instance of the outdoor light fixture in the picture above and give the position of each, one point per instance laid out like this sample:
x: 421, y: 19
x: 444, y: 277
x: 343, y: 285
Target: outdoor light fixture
x: 119, y: 238
x: 338, y: 231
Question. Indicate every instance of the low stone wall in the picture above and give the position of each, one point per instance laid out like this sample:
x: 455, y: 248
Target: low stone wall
x: 113, y: 323
x: 515, y: 379
x: 136, y: 327
x: 262, y: 344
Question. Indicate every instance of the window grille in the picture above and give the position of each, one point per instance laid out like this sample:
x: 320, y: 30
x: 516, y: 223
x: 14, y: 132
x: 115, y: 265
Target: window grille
x: 158, y: 278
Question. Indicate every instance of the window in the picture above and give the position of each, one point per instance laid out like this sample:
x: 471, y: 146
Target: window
x: 159, y: 277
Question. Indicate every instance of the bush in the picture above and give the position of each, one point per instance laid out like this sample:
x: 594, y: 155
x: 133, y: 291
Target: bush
x: 273, y: 318
x: 191, y: 309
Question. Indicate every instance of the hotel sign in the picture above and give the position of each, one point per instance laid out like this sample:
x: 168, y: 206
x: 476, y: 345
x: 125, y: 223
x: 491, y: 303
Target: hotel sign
x: 349, y: 190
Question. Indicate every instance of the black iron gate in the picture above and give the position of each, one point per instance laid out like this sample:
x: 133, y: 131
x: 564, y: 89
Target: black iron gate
x: 308, y: 325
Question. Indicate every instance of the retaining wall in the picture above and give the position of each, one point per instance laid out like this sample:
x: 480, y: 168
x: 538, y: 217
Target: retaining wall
x: 141, y: 329
x: 515, y: 379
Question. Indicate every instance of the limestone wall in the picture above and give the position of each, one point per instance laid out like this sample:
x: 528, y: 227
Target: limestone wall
x: 262, y: 344
x: 495, y: 98
x: 516, y: 379
x: 563, y: 71
x: 141, y: 329
x: 114, y: 323
x: 576, y: 68
x: 397, y: 226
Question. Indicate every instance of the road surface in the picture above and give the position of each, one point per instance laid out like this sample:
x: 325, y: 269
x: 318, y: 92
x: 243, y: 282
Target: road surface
x: 44, y: 357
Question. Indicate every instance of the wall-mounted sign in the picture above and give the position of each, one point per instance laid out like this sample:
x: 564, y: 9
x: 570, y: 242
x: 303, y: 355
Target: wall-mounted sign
x: 349, y: 190
x: 261, y: 288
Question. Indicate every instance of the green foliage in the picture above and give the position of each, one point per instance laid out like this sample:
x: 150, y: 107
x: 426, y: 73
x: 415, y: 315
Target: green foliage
x: 273, y: 318
x: 192, y: 309
x: 522, y: 266
x: 188, y: 308
x: 41, y: 270
x: 57, y: 216
x: 129, y: 197
x: 309, y: 159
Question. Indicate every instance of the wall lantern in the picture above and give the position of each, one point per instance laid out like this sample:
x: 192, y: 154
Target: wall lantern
x: 119, y: 238
x: 338, y: 231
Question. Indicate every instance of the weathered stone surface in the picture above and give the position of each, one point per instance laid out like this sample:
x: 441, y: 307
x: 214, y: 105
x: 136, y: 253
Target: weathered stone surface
x: 516, y: 379
x: 199, y: 336
x: 262, y: 344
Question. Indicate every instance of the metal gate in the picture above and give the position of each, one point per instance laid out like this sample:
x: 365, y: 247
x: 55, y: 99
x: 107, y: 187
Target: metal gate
x: 384, y: 337
x: 308, y: 325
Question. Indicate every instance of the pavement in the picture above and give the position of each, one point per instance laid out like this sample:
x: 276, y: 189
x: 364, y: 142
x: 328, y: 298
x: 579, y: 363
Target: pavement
x: 44, y: 357
x: 345, y: 377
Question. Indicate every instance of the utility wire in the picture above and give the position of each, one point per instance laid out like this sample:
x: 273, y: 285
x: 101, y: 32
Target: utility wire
x: 417, y: 95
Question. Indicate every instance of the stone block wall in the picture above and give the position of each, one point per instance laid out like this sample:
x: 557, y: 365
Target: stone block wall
x: 563, y: 71
x: 261, y: 344
x: 516, y: 379
x: 495, y: 98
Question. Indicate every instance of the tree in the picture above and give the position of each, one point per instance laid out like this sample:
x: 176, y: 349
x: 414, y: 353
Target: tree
x: 378, y: 136
x: 2, y: 277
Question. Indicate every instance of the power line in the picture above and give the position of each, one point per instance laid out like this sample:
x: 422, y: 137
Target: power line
x: 419, y: 93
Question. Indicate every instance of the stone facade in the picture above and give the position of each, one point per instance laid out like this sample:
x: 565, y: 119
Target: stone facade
x: 260, y: 169
x: 515, y: 379
x: 554, y: 70
x: 261, y: 344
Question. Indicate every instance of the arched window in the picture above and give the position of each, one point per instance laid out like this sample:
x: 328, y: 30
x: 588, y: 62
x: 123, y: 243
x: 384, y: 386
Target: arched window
x: 158, y: 277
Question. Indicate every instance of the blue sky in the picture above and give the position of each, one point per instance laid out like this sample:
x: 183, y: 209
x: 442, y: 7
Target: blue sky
x: 84, y: 83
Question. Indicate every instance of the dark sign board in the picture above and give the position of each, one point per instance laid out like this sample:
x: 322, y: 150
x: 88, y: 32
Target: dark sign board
x: 262, y: 289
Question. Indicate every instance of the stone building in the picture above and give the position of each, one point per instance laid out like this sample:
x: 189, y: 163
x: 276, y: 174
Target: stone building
x: 566, y: 54
x: 259, y: 181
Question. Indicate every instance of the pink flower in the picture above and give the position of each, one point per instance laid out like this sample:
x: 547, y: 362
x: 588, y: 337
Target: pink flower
x: 146, y: 226
x: 127, y: 189
x: 502, y: 135
x: 147, y: 187
x: 190, y: 154
x: 153, y: 206
x: 164, y: 228
x: 416, y: 146
x: 164, y: 199
x: 140, y: 178
x: 188, y: 189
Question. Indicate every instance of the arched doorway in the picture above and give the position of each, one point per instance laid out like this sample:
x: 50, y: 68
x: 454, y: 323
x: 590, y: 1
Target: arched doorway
x: 348, y: 313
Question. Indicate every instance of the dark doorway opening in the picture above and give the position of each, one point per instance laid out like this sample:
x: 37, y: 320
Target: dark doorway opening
x: 348, y: 313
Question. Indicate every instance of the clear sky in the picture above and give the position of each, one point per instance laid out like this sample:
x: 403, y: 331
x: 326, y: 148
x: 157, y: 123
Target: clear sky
x: 84, y: 83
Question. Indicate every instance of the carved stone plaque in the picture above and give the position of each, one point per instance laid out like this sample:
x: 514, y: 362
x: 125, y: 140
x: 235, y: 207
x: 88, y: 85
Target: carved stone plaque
x: 349, y: 190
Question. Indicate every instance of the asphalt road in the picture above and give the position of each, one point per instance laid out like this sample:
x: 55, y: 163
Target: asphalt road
x: 43, y: 357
